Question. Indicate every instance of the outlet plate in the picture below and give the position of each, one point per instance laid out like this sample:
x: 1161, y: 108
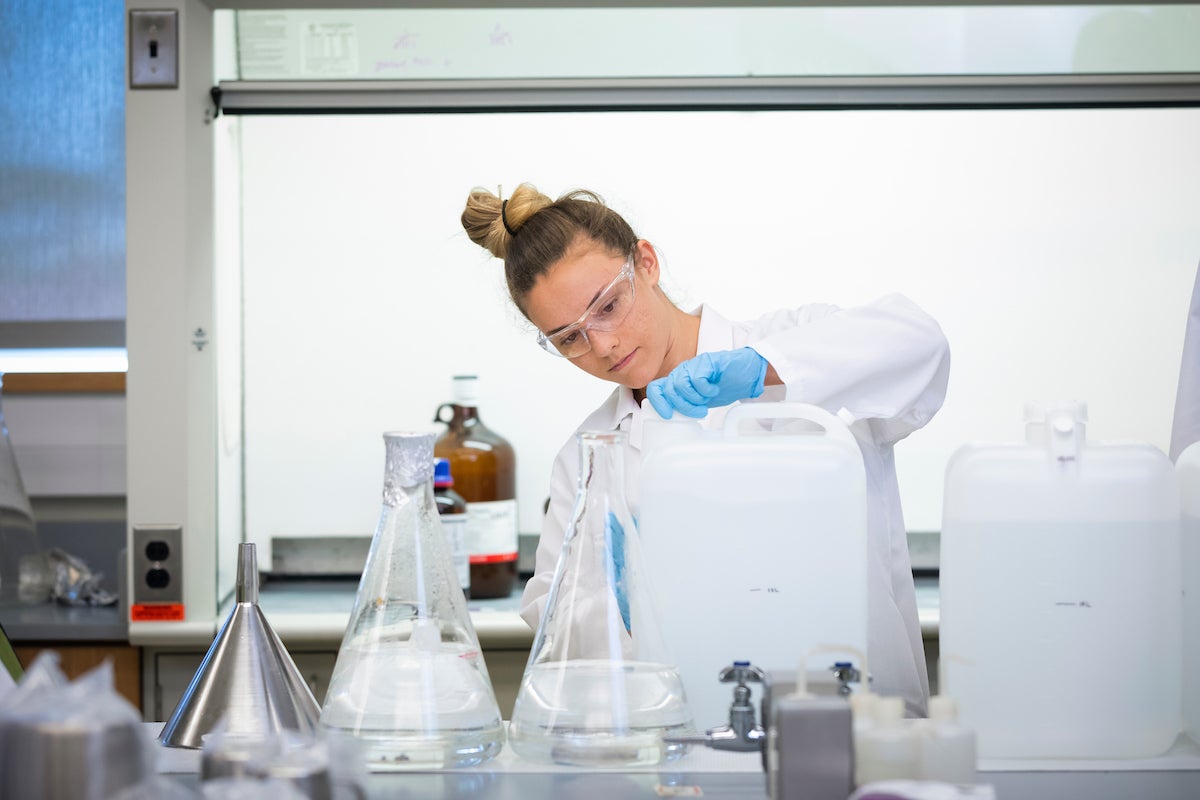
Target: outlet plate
x: 153, y: 49
x: 157, y: 575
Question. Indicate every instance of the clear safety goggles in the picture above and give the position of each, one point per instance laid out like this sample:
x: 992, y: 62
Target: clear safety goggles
x: 605, y: 313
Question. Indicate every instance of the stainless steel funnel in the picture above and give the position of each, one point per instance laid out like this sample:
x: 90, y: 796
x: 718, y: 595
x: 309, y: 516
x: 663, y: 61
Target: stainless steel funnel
x: 247, y: 677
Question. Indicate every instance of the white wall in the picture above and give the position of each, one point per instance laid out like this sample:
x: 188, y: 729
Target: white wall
x: 1056, y: 248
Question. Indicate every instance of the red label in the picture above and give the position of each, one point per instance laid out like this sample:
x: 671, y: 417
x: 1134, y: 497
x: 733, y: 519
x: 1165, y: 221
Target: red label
x: 494, y: 558
x: 156, y: 612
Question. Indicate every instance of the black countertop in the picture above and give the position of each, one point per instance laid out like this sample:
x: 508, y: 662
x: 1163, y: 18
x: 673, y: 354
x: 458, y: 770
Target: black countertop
x: 51, y: 622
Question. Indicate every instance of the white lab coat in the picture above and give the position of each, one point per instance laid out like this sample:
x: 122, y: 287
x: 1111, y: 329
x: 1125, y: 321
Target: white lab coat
x: 884, y: 368
x: 1186, y: 427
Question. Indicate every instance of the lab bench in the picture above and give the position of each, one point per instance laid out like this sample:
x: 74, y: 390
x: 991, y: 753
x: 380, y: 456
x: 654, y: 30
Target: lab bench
x: 703, y: 772
x: 310, y: 617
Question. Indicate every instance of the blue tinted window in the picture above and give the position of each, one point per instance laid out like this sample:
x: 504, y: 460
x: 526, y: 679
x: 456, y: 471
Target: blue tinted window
x: 62, y: 171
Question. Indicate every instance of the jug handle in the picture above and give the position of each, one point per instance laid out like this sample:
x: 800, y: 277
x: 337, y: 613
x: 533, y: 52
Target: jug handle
x: 834, y: 427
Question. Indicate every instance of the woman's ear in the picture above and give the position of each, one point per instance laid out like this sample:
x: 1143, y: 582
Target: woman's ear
x: 647, y: 260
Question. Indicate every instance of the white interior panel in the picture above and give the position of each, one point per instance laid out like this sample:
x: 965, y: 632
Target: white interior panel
x: 1056, y: 248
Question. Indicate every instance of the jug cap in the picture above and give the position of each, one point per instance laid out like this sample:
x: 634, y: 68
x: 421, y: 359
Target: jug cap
x: 466, y: 390
x: 1036, y: 413
x: 943, y: 708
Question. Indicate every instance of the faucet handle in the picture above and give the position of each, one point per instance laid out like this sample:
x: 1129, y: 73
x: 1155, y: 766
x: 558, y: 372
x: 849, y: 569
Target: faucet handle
x: 846, y: 673
x: 741, y: 672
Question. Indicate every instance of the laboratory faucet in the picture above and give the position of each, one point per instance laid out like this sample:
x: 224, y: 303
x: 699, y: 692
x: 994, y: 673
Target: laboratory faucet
x: 743, y: 733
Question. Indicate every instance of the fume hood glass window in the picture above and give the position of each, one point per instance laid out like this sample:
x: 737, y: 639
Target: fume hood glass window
x: 352, y: 257
x: 415, y: 44
x: 62, y: 179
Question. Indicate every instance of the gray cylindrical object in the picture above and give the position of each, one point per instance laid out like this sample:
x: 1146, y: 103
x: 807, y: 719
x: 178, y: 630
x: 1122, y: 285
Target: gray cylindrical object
x: 71, y: 760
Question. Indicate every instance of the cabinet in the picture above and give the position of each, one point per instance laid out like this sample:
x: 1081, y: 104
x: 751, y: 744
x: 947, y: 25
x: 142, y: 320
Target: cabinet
x: 76, y: 659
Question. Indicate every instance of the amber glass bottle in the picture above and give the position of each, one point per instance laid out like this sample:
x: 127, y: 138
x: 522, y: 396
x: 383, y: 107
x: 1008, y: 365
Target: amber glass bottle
x: 485, y: 474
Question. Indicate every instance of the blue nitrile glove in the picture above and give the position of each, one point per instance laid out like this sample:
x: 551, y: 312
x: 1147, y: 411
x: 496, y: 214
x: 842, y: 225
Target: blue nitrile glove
x: 614, y: 535
x: 707, y: 381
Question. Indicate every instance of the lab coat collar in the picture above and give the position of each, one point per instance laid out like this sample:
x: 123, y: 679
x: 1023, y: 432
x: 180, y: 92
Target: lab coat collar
x: 622, y: 412
x: 716, y: 332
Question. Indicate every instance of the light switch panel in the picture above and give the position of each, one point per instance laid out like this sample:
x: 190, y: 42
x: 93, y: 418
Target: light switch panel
x: 153, y: 49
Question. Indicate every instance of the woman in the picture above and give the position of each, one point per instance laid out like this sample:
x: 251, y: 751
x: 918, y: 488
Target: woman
x: 581, y: 275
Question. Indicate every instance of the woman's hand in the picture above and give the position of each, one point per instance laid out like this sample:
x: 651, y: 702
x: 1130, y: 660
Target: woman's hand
x: 707, y: 381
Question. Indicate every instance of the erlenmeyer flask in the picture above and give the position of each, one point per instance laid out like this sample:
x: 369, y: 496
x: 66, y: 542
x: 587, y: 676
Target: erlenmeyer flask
x: 599, y: 688
x: 410, y: 681
x: 18, y: 531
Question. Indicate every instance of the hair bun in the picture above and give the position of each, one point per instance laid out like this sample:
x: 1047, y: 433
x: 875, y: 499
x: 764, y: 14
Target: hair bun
x: 492, y: 223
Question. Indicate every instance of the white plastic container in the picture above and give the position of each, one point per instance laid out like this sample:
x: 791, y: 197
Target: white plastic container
x: 862, y: 710
x: 948, y: 749
x: 1060, y: 591
x: 1188, y: 467
x: 891, y: 749
x: 757, y: 543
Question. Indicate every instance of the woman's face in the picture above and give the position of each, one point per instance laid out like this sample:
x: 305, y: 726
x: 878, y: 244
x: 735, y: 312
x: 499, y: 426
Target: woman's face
x: 634, y: 351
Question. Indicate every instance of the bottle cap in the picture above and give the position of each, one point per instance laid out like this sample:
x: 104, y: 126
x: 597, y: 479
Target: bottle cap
x: 943, y: 708
x: 889, y: 711
x: 441, y: 473
x: 466, y: 390
x: 862, y: 706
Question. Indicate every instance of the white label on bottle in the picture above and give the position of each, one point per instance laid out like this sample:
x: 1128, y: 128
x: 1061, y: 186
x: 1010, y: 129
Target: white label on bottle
x: 455, y: 526
x: 492, y: 531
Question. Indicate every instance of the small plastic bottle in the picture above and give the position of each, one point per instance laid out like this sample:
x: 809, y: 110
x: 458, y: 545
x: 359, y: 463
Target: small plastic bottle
x: 862, y: 711
x: 452, y: 509
x: 947, y: 748
x: 890, y: 750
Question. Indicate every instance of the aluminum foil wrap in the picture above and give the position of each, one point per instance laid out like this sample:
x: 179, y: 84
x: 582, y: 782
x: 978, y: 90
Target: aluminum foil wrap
x: 409, y: 463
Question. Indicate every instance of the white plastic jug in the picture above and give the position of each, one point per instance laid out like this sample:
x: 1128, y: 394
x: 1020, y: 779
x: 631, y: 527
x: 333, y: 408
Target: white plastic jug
x: 755, y: 541
x: 1188, y: 467
x: 1060, y: 590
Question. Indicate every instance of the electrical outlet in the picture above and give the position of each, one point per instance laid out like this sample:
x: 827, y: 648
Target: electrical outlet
x: 157, y: 575
x: 153, y: 49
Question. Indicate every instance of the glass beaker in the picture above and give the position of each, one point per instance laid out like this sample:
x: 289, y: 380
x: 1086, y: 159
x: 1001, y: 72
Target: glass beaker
x: 599, y: 688
x: 410, y: 682
x: 18, y: 531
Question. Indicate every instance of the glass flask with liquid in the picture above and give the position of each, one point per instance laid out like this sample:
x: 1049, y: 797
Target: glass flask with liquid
x: 599, y: 688
x: 18, y: 531
x: 410, y: 682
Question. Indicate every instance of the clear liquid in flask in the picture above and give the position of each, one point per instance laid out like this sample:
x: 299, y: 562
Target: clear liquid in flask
x: 599, y: 713
x: 423, y: 703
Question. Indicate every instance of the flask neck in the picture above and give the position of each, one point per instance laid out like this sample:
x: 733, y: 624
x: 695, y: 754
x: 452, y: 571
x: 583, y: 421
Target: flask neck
x: 602, y: 462
x: 408, y: 465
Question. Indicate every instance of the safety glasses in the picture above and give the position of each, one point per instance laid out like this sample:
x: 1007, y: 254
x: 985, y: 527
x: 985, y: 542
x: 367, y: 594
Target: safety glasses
x: 605, y: 313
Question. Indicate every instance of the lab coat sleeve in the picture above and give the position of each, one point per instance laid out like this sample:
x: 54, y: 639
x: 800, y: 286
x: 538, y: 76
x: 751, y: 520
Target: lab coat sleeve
x: 1186, y: 427
x: 554, y: 524
x: 887, y: 362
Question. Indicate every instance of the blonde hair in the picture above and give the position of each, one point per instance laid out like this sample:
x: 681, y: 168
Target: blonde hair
x: 529, y: 231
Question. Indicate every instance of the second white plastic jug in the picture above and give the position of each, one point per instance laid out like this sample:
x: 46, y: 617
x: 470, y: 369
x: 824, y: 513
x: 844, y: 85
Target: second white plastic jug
x: 1060, y: 591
